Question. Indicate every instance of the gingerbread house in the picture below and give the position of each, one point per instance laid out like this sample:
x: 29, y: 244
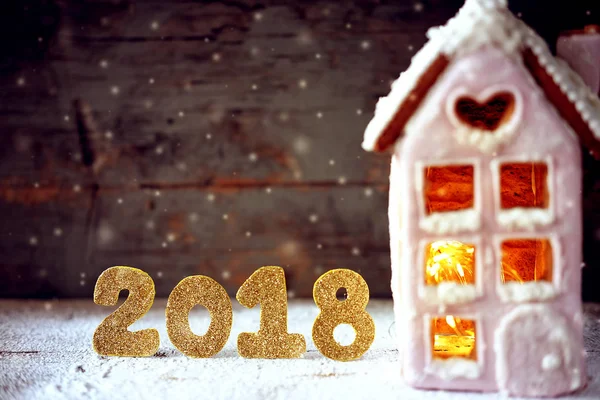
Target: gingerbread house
x: 485, y: 207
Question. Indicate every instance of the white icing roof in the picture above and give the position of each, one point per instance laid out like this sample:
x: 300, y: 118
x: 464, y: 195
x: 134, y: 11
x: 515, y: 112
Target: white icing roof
x: 479, y: 23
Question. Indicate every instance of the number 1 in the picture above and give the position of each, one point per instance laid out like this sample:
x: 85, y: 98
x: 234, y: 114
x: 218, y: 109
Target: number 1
x: 267, y: 287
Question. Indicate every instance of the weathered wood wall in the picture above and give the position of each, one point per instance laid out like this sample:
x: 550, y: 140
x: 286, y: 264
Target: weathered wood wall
x: 209, y: 137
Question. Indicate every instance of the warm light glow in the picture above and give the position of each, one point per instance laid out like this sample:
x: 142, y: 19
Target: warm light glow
x: 449, y: 261
x: 526, y: 260
x: 453, y: 337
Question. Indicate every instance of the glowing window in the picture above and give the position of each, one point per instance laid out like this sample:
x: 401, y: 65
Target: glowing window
x: 526, y: 260
x: 453, y: 337
x: 448, y: 188
x: 449, y: 261
x: 524, y: 185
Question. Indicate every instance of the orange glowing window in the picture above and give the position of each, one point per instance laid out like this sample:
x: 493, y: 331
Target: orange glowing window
x: 448, y: 188
x: 453, y: 337
x: 524, y: 185
x: 526, y: 260
x: 449, y: 261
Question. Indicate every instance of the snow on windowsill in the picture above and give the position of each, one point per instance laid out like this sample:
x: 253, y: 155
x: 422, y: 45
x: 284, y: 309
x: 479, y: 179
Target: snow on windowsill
x: 453, y: 368
x: 525, y: 218
x: 442, y: 223
x: 449, y: 293
x: 515, y: 292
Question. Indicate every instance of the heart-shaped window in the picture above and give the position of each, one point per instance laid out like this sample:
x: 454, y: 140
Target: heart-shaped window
x: 489, y: 115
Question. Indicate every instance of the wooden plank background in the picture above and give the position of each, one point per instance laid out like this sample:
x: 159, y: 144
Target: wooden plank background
x: 210, y: 137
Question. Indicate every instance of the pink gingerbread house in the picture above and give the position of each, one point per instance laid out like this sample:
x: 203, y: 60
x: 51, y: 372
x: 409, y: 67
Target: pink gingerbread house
x: 485, y: 207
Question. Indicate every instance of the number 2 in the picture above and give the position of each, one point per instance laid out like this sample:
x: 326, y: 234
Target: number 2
x: 112, y: 338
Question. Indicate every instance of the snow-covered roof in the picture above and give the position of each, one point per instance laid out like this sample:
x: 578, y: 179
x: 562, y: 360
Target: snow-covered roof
x: 479, y: 23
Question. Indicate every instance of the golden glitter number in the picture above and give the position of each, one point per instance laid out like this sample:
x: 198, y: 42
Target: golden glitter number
x: 204, y: 291
x: 349, y: 311
x: 267, y: 287
x: 112, y: 338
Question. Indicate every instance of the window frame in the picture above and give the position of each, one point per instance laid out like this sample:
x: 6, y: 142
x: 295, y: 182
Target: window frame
x: 444, y: 368
x: 449, y: 222
x: 513, y: 219
x: 430, y: 294
x: 540, y: 290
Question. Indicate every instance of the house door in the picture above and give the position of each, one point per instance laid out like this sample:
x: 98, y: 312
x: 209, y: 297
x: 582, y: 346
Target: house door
x: 536, y: 354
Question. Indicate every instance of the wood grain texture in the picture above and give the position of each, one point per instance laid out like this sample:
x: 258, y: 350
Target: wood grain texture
x: 131, y: 127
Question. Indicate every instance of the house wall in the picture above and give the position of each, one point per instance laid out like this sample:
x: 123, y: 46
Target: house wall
x: 431, y: 138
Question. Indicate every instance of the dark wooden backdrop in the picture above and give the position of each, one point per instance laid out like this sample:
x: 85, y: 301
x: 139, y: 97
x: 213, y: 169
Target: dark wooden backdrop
x: 210, y: 137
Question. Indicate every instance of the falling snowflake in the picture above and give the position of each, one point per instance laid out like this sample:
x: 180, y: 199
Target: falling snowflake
x: 319, y: 115
x: 120, y: 200
x: 418, y: 7
x: 331, y: 162
x: 342, y: 180
x: 193, y: 217
x: 248, y: 233
x: 104, y: 64
x: 210, y: 197
x: 368, y: 192
x: 154, y: 25
x: 115, y: 90
x: 314, y: 218
x: 225, y: 217
x: 58, y: 232
x: 216, y: 57
x: 365, y: 45
x: 252, y: 157
x: 159, y: 274
x: 301, y: 145
x: 225, y: 274
x: 33, y: 241
x: 355, y: 251
x: 258, y: 16
x: 268, y: 190
x: 77, y: 188
x: 302, y: 84
x: 359, y: 111
x: 255, y: 87
x: 21, y: 81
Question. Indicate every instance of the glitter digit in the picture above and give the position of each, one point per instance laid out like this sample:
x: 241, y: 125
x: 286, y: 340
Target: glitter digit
x: 112, y: 338
x: 267, y: 287
x: 349, y: 311
x: 204, y: 291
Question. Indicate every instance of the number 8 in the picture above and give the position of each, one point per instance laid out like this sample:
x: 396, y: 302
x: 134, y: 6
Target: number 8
x: 334, y: 312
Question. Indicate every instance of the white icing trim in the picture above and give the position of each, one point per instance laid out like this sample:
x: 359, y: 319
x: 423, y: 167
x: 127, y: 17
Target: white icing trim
x: 515, y: 292
x: 451, y: 222
x: 525, y: 218
x: 486, y: 141
x: 448, y: 293
x: 484, y: 23
x: 521, y: 218
x: 443, y: 223
x: 453, y: 368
